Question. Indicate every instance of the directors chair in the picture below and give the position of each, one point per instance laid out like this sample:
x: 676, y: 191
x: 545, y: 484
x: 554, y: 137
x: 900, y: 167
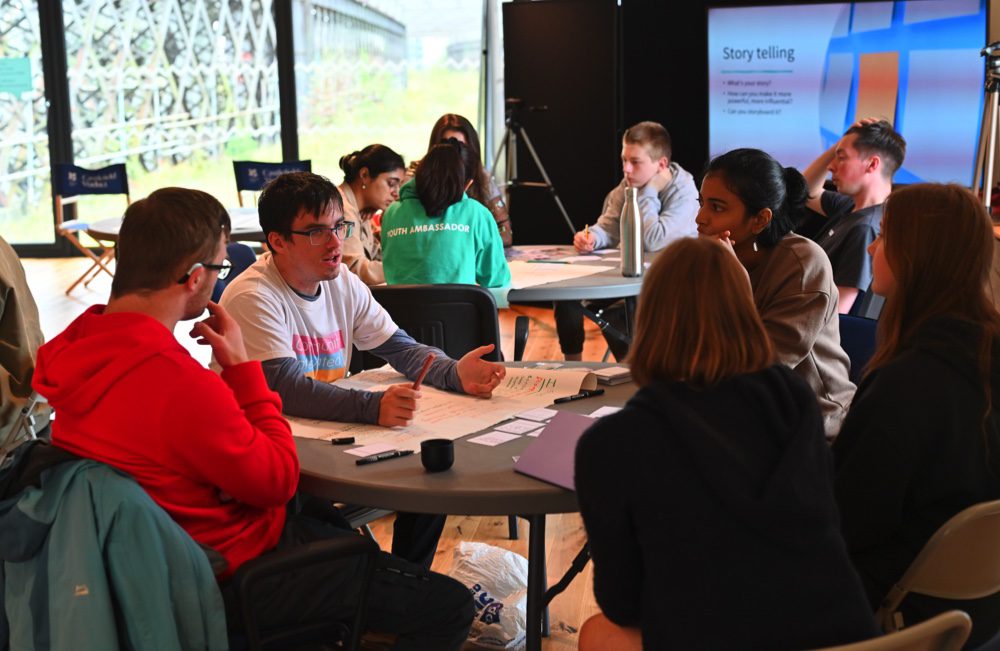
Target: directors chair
x: 69, y: 183
x: 252, y: 176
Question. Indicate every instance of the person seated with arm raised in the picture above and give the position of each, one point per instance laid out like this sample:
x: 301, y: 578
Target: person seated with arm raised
x: 668, y: 201
x: 726, y: 463
x: 922, y: 439
x: 861, y: 165
x: 483, y: 188
x: 435, y: 233
x: 372, y: 178
x: 300, y: 312
x: 749, y: 201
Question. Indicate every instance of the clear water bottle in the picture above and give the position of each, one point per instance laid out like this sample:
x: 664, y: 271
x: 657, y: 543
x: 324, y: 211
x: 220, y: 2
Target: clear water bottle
x: 631, y: 235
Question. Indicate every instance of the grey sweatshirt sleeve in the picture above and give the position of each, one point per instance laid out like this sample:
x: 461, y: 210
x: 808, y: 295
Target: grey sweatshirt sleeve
x: 305, y: 397
x: 407, y: 356
x: 607, y: 230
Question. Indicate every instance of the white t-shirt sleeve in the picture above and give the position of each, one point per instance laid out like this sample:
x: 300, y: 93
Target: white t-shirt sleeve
x: 263, y: 321
x: 372, y: 325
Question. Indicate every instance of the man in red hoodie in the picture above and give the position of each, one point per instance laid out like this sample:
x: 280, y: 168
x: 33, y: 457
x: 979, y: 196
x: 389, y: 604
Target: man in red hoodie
x: 213, y: 450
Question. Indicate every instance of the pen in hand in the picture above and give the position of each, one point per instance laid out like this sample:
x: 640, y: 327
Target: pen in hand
x: 423, y: 371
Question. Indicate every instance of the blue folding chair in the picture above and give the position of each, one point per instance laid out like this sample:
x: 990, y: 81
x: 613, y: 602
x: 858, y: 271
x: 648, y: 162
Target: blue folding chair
x: 69, y: 183
x: 252, y: 176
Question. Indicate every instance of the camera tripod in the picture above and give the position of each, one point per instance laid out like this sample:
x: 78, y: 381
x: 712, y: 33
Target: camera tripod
x: 988, y: 132
x: 514, y: 130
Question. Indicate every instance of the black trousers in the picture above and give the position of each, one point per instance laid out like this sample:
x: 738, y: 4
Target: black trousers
x: 427, y: 611
x: 415, y: 537
x: 569, y: 326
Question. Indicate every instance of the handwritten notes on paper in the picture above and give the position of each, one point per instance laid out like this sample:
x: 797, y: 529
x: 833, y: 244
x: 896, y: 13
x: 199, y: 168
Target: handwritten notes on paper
x: 442, y: 414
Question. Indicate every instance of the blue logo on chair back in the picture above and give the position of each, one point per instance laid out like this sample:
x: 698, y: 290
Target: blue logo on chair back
x: 71, y: 180
x: 252, y: 176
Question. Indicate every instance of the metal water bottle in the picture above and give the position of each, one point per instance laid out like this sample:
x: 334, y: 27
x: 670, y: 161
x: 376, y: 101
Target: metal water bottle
x: 631, y: 235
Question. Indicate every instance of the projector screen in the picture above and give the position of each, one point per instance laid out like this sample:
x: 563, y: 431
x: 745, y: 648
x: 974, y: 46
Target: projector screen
x: 791, y: 79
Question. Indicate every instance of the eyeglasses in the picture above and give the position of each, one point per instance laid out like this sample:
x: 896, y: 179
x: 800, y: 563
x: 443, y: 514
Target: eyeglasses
x: 320, y: 236
x: 223, y: 270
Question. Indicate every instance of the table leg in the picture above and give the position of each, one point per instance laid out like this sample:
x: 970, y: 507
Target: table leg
x: 538, y: 620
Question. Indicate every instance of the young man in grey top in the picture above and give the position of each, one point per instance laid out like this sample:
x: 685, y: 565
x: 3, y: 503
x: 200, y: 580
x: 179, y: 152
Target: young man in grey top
x: 668, y: 204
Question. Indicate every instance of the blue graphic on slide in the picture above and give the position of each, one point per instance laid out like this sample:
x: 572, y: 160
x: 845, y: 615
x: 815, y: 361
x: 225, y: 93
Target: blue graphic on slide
x: 791, y: 79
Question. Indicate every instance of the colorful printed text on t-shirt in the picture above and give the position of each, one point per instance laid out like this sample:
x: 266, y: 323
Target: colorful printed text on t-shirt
x: 323, y: 358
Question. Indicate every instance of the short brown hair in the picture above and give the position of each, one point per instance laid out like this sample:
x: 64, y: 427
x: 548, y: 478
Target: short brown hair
x: 163, y: 235
x: 880, y: 138
x: 696, y: 321
x: 285, y: 196
x: 651, y: 135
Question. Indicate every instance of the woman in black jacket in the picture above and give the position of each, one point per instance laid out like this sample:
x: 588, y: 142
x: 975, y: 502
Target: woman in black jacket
x: 708, y: 499
x: 922, y: 438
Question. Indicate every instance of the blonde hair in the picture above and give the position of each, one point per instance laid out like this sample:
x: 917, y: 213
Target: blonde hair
x: 696, y: 321
x: 653, y: 136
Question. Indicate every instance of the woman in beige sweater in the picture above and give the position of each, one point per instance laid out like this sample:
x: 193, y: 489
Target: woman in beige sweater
x: 749, y: 201
x: 372, y: 178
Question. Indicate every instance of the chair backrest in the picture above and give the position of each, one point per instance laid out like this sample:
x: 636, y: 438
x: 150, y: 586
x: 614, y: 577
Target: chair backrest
x: 242, y: 256
x: 960, y: 561
x: 945, y: 632
x: 72, y: 181
x: 252, y: 176
x: 857, y: 338
x: 454, y: 318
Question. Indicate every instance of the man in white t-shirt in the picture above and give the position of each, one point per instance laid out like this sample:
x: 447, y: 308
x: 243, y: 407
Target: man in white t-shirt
x: 300, y: 313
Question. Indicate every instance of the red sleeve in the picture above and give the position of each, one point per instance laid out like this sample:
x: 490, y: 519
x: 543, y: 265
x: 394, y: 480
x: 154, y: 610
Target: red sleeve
x: 245, y: 447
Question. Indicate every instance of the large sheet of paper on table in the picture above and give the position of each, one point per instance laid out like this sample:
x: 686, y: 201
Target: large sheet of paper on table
x: 527, y: 274
x: 443, y: 414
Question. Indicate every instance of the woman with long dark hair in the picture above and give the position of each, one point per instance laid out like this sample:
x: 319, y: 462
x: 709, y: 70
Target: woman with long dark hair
x: 749, y: 201
x: 436, y: 233
x: 708, y: 500
x: 922, y: 439
x: 372, y: 177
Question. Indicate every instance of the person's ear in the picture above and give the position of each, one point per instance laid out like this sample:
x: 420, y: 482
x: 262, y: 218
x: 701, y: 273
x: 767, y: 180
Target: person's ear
x: 874, y: 164
x: 760, y: 221
x: 662, y: 164
x: 468, y: 184
x: 365, y: 176
x: 277, y: 241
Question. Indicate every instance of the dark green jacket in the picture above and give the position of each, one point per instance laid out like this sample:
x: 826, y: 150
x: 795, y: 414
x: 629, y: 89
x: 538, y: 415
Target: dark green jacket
x: 87, y: 546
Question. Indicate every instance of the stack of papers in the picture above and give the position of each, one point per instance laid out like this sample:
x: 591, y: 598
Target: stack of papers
x: 613, y: 375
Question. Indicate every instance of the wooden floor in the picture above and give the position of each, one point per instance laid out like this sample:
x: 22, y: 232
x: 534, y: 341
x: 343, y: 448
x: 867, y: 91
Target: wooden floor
x: 564, y: 533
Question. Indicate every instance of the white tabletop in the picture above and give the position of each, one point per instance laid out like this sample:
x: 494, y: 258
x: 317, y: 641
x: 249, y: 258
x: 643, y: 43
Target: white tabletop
x: 244, y: 221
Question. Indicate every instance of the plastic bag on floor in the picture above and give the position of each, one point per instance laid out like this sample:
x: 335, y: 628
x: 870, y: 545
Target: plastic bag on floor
x: 498, y: 580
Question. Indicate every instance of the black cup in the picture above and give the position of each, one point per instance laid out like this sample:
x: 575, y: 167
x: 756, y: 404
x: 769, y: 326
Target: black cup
x: 437, y: 454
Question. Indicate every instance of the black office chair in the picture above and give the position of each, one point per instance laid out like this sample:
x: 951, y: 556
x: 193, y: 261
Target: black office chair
x: 252, y: 176
x: 455, y: 318
x: 857, y: 338
x: 252, y: 576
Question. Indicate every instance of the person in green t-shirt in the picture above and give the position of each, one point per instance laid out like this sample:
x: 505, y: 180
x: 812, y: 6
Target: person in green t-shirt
x: 435, y: 233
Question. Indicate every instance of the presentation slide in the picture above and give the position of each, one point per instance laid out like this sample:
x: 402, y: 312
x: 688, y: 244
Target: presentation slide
x: 791, y: 79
